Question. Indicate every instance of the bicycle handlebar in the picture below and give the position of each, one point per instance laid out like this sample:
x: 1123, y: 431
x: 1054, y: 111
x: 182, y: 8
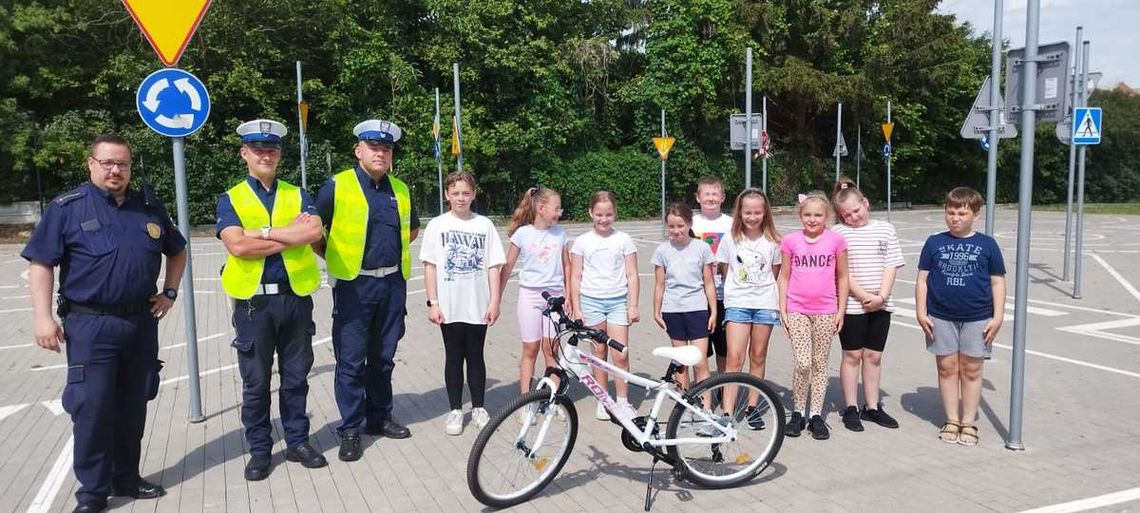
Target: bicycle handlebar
x: 554, y: 305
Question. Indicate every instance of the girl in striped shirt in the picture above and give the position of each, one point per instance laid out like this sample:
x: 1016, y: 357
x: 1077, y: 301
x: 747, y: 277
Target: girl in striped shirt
x: 874, y: 258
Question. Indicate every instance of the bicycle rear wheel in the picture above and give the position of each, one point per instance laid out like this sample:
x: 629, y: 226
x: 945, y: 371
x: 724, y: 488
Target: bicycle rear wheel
x: 507, y: 465
x: 756, y: 416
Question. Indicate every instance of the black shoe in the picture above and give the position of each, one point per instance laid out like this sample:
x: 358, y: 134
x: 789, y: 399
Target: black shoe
x: 143, y: 490
x: 305, y: 454
x: 349, y: 446
x: 851, y: 419
x: 392, y: 429
x: 795, y: 425
x: 257, y: 468
x: 818, y: 428
x: 880, y: 417
x: 754, y: 418
x: 90, y: 506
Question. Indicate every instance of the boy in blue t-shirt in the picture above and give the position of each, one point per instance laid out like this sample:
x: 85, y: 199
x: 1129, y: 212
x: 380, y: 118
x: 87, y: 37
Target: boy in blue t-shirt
x: 960, y: 302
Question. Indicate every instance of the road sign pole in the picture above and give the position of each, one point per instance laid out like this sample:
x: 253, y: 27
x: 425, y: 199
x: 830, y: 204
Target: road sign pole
x: 995, y: 117
x: 1078, y: 85
x: 764, y: 147
x: 838, y: 135
x: 663, y: 229
x: 1081, y: 178
x: 747, y: 119
x: 889, y: 165
x: 858, y: 154
x: 301, y: 130
x: 1024, y: 218
x: 439, y: 154
x: 187, y: 280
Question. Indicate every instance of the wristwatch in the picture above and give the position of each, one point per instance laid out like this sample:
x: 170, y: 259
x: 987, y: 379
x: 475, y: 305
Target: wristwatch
x: 170, y: 294
x: 265, y: 232
x: 432, y: 302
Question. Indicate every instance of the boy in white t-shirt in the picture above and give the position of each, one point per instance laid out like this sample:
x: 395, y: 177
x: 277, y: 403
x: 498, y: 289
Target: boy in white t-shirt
x: 711, y: 225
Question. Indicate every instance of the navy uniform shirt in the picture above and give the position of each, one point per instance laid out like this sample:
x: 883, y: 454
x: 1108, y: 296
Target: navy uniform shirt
x: 274, y: 271
x: 382, y: 240
x: 108, y: 254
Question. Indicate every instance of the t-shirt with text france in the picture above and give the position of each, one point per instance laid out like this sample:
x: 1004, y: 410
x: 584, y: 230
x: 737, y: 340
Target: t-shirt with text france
x: 871, y: 250
x: 540, y: 252
x: 462, y: 251
x: 750, y: 282
x: 812, y: 282
x: 684, y: 275
x: 958, y: 285
x: 712, y: 231
x: 603, y: 263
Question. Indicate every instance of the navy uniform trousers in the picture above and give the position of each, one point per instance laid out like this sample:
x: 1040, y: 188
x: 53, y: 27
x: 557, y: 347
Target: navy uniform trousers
x: 281, y: 325
x: 368, y: 323
x: 112, y: 371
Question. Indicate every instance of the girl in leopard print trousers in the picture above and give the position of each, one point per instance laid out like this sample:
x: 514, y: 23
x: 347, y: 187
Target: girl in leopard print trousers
x: 813, y: 299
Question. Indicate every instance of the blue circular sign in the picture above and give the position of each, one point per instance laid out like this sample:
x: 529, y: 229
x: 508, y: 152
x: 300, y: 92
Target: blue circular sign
x: 173, y: 102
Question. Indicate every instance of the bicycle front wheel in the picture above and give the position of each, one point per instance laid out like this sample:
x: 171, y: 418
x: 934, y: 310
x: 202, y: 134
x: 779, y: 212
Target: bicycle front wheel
x: 521, y: 449
x: 756, y: 416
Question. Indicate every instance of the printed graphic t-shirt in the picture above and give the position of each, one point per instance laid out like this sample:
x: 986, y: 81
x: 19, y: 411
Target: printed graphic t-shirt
x: 750, y: 282
x: 958, y: 286
x: 462, y: 251
x: 812, y: 283
x: 540, y: 252
x: 603, y: 263
x: 712, y: 231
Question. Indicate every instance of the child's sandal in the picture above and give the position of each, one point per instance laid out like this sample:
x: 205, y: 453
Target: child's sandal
x: 968, y: 436
x: 950, y: 432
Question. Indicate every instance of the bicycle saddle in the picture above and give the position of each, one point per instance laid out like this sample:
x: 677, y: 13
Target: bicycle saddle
x: 684, y: 355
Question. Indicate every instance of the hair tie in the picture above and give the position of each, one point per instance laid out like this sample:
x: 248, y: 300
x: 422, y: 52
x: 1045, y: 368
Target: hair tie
x: 844, y: 186
x: 802, y: 197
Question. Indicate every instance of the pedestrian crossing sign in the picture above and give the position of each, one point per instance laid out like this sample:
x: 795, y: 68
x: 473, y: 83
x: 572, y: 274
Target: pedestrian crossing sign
x: 1086, y: 125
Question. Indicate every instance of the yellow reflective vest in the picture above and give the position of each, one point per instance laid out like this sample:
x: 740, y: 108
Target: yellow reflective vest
x: 344, y: 250
x: 241, y: 276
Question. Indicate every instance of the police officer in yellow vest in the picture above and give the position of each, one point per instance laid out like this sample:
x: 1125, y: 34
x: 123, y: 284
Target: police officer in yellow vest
x: 267, y: 225
x: 370, y: 221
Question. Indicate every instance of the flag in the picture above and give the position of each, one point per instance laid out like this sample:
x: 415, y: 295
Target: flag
x: 435, y: 130
x: 455, y: 149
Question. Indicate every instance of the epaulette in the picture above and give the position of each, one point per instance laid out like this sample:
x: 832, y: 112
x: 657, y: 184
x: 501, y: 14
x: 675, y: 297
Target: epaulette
x: 68, y: 197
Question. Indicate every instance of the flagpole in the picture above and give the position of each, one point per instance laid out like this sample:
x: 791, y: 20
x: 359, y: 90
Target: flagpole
x: 764, y: 147
x: 858, y: 154
x: 301, y: 127
x: 838, y: 135
x: 438, y: 158
x: 458, y: 132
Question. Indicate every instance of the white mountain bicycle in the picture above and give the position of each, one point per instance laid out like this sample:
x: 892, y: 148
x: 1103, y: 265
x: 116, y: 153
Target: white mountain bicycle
x: 722, y: 432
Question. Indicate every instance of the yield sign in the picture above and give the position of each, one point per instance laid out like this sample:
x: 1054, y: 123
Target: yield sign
x: 887, y: 129
x: 663, y: 144
x: 168, y: 25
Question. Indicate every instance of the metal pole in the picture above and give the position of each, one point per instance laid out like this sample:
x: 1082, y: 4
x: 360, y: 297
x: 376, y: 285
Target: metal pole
x: 328, y: 162
x: 1081, y: 179
x: 458, y: 133
x: 439, y: 157
x: 1024, y: 218
x: 1078, y: 85
x: 889, y: 158
x: 747, y: 117
x: 858, y: 154
x: 301, y: 129
x: 187, y: 280
x: 838, y: 135
x: 995, y: 118
x: 663, y: 229
x: 764, y: 128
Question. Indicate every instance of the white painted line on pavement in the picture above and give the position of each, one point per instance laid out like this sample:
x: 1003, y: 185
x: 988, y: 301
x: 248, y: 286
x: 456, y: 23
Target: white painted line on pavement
x: 1099, y: 501
x: 15, y: 297
x: 1008, y: 307
x: 54, y: 480
x: 14, y: 310
x: 1096, y: 329
x: 17, y: 346
x: 11, y: 286
x: 227, y: 367
x: 5, y: 411
x: 55, y: 406
x: 1123, y: 282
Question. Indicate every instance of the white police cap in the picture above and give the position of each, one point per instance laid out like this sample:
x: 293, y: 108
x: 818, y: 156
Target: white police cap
x: 262, y: 133
x: 378, y: 130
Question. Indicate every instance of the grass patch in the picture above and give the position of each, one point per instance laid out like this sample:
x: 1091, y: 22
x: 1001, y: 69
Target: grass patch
x: 1095, y: 208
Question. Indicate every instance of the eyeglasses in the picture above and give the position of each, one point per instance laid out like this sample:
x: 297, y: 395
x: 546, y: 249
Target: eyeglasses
x: 109, y: 164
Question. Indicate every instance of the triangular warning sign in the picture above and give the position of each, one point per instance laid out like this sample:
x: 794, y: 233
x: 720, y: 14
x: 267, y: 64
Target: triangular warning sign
x: 1087, y: 129
x: 663, y: 145
x: 168, y: 25
x: 840, y: 147
x: 887, y: 129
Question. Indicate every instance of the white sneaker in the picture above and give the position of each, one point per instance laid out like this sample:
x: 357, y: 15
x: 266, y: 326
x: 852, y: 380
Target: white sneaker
x: 627, y: 409
x: 480, y: 417
x: 454, y: 423
x: 600, y: 413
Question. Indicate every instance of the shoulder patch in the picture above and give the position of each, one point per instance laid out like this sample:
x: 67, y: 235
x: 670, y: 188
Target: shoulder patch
x: 66, y: 198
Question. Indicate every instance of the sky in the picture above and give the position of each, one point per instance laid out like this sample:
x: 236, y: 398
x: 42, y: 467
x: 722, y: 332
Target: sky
x: 1110, y: 25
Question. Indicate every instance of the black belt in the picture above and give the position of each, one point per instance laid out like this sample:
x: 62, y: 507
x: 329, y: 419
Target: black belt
x: 67, y: 306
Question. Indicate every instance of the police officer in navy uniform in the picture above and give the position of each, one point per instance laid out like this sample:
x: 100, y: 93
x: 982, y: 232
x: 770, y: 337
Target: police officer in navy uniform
x: 108, y: 241
x: 370, y: 222
x: 267, y: 225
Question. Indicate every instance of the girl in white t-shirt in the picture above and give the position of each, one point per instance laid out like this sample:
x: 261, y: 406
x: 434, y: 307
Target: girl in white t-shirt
x: 604, y: 287
x: 461, y: 254
x: 540, y: 243
x: 750, y: 262
x: 684, y: 296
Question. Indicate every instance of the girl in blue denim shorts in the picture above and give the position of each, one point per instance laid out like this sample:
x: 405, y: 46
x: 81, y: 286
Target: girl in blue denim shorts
x: 750, y: 262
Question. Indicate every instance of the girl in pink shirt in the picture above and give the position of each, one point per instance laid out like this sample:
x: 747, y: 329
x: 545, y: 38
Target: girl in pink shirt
x: 813, y: 300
